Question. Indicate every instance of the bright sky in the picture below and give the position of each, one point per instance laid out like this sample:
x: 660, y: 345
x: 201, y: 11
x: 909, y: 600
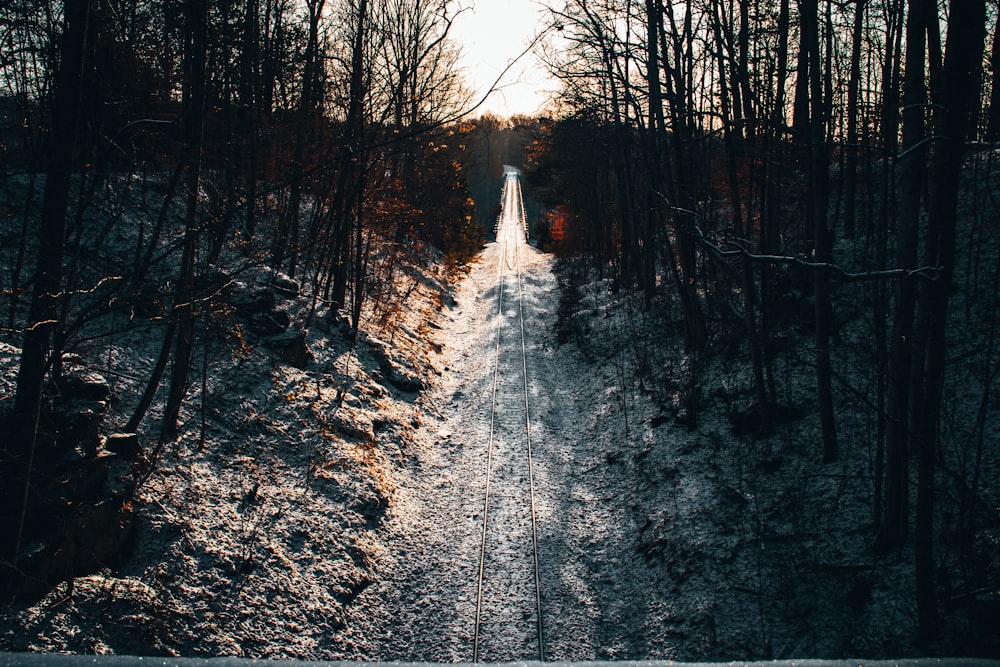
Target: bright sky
x: 493, y: 33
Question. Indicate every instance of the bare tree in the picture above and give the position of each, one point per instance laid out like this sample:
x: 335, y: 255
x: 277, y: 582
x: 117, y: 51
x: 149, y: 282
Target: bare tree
x: 184, y: 310
x: 959, y: 102
x: 894, y: 524
x: 43, y: 316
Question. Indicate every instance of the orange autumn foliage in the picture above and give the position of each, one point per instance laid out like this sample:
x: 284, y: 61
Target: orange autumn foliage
x: 563, y: 231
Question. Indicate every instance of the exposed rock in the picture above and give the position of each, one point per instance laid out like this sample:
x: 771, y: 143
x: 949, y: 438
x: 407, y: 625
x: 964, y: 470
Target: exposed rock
x: 73, y: 480
x: 660, y: 420
x: 372, y: 505
x: 285, y: 286
x: 396, y: 371
x: 271, y: 323
x: 354, y: 424
x: 125, y: 445
x: 94, y: 537
x: 291, y: 347
x: 353, y: 590
x: 249, y: 303
x: 333, y: 322
x: 77, y: 422
x: 78, y: 382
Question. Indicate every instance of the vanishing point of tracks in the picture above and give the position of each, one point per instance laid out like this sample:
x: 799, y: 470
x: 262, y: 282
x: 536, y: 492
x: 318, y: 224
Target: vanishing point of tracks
x: 508, y: 598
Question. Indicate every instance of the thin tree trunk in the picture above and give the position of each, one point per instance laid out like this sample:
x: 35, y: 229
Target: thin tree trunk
x: 732, y: 140
x: 993, y: 124
x: 249, y: 112
x: 286, y: 243
x: 893, y: 531
x: 343, y: 223
x: 15, y: 280
x: 771, y: 187
x: 154, y: 378
x: 681, y: 257
x: 959, y: 97
x: 853, y: 93
x: 18, y: 456
x: 800, y: 111
x: 817, y: 174
x: 659, y: 167
x: 184, y: 309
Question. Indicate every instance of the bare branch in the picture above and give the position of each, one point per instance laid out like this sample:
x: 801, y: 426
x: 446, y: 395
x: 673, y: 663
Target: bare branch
x: 733, y: 249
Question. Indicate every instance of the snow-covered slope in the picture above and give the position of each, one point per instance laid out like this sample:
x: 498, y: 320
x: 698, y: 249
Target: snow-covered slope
x: 331, y: 512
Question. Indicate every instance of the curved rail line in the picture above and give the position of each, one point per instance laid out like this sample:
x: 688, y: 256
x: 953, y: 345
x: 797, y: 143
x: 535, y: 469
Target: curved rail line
x: 512, y: 213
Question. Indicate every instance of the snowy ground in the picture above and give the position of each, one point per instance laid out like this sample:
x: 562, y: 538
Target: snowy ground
x: 428, y: 582
x: 330, y: 515
x: 654, y: 542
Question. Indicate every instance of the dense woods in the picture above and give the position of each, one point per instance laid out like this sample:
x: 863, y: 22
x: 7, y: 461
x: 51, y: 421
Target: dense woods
x: 156, y: 154
x: 802, y: 185
x: 810, y: 172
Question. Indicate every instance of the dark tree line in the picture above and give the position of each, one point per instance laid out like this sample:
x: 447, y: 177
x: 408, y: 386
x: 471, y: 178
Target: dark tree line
x: 494, y: 142
x: 313, y: 140
x: 736, y: 155
x: 732, y: 158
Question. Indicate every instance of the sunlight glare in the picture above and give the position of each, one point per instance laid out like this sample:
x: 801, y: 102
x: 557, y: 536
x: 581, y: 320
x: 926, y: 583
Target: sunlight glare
x: 492, y: 33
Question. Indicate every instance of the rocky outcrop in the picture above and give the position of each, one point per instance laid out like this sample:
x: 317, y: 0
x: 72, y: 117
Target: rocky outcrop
x: 74, y: 522
x: 125, y: 445
x: 291, y: 347
x: 94, y: 536
x: 396, y: 370
x: 258, y: 308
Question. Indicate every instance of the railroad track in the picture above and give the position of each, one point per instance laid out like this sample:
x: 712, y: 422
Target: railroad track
x: 508, y: 623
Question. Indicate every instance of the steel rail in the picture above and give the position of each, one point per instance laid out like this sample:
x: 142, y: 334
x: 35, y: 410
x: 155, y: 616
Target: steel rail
x: 512, y: 198
x: 489, y: 446
x: 527, y: 431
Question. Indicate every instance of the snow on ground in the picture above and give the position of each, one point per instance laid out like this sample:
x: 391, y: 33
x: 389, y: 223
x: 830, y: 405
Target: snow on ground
x: 327, y: 514
x: 255, y: 540
x: 654, y: 542
x: 259, y: 527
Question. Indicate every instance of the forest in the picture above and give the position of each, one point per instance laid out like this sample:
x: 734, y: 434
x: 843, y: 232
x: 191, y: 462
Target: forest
x: 802, y: 193
x: 815, y: 166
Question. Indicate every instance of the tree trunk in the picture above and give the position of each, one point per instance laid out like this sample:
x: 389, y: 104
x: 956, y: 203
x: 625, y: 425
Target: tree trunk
x: 770, y: 190
x: 18, y: 456
x: 733, y: 143
x: 43, y: 313
x: 286, y: 243
x: 196, y: 32
x: 959, y: 99
x: 800, y: 111
x: 893, y: 530
x: 249, y: 110
x: 889, y: 127
x: 660, y: 180
x: 352, y: 174
x: 851, y: 149
x: 681, y: 260
x: 817, y: 174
